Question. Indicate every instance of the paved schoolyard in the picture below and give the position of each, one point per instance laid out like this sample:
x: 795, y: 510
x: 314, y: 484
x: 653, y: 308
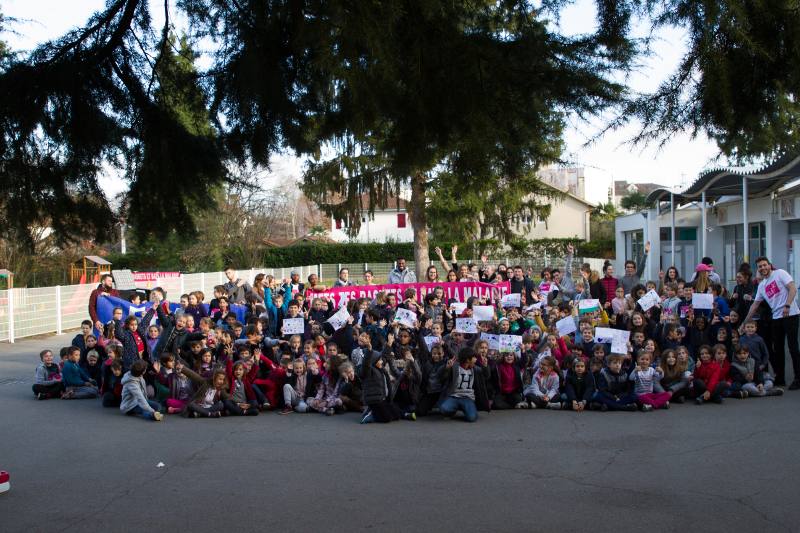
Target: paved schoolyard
x: 76, y: 466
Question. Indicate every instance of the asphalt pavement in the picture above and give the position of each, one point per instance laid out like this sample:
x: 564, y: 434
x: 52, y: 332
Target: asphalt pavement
x: 76, y: 466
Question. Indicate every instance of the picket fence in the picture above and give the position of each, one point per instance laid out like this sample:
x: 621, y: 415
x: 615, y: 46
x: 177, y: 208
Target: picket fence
x: 47, y: 310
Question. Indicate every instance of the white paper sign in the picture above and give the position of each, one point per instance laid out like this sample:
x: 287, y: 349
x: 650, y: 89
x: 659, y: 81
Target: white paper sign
x: 405, y: 317
x: 339, y: 319
x: 565, y: 326
x: 510, y: 300
x: 650, y: 299
x: 294, y: 326
x: 492, y: 339
x: 620, y: 344
x: 466, y: 325
x: 510, y: 343
x: 604, y: 335
x: 459, y: 307
x: 702, y: 301
x: 586, y: 306
x: 483, y: 312
x: 537, y: 305
x: 430, y: 341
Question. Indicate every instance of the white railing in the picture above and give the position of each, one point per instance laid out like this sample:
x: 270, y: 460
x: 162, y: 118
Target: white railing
x: 45, y: 310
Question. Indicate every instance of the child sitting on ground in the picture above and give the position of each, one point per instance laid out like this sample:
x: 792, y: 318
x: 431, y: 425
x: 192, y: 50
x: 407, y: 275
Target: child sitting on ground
x: 78, y: 384
x: 112, y: 383
x: 48, y: 378
x: 134, y: 394
x: 747, y: 372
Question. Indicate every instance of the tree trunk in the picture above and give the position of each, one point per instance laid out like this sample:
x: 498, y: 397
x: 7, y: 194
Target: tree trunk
x: 419, y: 223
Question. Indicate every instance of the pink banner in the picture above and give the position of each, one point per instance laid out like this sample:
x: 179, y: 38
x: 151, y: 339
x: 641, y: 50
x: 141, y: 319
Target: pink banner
x: 461, y: 291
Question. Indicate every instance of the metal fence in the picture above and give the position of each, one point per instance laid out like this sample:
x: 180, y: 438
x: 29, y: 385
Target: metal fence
x: 44, y: 310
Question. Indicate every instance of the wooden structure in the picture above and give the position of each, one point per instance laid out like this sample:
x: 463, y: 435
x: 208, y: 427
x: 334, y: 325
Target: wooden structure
x: 9, y: 278
x: 89, y: 267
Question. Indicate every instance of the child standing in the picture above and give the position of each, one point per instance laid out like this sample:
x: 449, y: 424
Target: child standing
x: 48, y: 378
x: 644, y: 377
x: 134, y: 394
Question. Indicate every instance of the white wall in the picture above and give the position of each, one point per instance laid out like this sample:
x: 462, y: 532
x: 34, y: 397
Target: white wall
x: 379, y: 229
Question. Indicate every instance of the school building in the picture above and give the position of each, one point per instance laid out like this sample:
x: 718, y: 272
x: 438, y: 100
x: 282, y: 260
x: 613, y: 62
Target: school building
x: 729, y: 215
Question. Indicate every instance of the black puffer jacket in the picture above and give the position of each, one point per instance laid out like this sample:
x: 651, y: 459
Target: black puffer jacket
x: 375, y: 383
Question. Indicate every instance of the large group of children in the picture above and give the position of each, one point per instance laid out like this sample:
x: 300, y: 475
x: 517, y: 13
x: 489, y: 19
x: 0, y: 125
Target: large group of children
x: 206, y: 363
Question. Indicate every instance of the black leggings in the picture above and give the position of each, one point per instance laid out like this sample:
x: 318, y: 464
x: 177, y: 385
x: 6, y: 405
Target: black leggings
x: 53, y: 390
x: 194, y: 407
x: 538, y: 402
x: 234, y: 408
x: 681, y: 393
x: 384, y: 412
x: 701, y: 388
x: 427, y: 403
x: 507, y: 401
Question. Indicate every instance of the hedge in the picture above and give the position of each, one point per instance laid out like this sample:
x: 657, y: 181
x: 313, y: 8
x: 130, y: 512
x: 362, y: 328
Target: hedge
x: 374, y: 252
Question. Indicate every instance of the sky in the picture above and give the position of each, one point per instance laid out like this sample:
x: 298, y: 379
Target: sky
x: 677, y: 164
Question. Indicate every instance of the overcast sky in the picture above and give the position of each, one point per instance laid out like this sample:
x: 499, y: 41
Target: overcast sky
x: 679, y: 163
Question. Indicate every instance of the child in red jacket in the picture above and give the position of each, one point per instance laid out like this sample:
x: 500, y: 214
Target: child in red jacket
x: 707, y: 382
x: 720, y: 352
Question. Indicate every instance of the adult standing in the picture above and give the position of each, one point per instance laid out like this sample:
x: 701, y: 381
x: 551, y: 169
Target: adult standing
x: 608, y: 280
x: 106, y: 288
x: 344, y: 281
x: 596, y: 287
x: 401, y: 274
x: 522, y: 285
x: 237, y: 288
x: 778, y: 289
x: 295, y: 286
x: 633, y: 275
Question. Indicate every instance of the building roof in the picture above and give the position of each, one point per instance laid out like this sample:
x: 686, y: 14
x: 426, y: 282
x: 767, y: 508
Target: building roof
x: 393, y: 203
x: 621, y: 187
x: 98, y: 260
x: 720, y: 182
x: 320, y: 239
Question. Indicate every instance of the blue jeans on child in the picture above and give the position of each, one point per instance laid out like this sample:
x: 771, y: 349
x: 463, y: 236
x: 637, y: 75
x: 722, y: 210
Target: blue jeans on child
x: 145, y: 414
x: 449, y: 407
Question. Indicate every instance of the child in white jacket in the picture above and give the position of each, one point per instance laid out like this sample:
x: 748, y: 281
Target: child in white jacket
x: 134, y: 394
x: 543, y: 390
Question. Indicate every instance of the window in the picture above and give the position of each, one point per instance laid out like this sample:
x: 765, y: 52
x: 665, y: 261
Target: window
x: 401, y: 220
x: 338, y: 224
x: 363, y: 219
x: 634, y: 245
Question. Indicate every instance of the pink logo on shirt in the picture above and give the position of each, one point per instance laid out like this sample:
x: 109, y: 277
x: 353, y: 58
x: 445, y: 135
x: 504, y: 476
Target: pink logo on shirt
x: 771, y: 289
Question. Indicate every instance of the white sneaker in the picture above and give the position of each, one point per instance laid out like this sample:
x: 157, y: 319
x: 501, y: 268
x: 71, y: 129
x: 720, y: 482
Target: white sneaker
x: 532, y: 405
x: 647, y: 407
x: 554, y: 405
x: 521, y: 405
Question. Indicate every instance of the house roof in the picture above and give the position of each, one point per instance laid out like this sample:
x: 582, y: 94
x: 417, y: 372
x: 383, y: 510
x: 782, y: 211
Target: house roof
x: 321, y: 239
x: 98, y: 260
x: 393, y: 203
x: 277, y: 242
x: 720, y: 182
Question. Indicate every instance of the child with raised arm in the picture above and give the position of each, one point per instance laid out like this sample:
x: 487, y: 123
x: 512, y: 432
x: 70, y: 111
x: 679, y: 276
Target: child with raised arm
x: 134, y: 394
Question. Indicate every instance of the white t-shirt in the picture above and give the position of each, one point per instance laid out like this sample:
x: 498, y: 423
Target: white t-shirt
x: 773, y: 290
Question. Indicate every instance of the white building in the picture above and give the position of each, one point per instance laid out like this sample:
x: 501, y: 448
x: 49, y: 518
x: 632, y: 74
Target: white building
x: 591, y: 184
x: 771, y: 216
x: 389, y: 223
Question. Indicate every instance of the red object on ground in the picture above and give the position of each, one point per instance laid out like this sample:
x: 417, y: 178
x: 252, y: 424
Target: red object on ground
x: 3, y: 477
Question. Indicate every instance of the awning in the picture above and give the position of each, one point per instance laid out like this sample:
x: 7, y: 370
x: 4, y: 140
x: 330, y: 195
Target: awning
x: 721, y: 182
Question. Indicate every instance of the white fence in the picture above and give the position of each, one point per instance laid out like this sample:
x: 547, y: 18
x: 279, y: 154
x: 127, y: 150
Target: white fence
x: 45, y: 310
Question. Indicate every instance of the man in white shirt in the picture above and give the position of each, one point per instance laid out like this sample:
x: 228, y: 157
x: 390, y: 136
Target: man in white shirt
x: 778, y: 289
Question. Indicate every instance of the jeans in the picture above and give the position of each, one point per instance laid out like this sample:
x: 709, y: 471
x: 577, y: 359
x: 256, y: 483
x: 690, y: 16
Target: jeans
x: 467, y: 405
x: 83, y: 392
x: 626, y: 400
x: 145, y: 414
x: 752, y: 389
x: 783, y: 330
x: 194, y: 407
